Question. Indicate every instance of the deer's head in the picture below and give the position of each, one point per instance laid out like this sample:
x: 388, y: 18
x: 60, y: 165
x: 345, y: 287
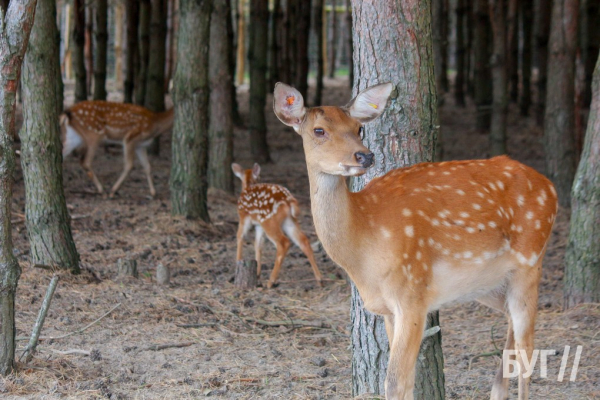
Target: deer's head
x: 332, y: 136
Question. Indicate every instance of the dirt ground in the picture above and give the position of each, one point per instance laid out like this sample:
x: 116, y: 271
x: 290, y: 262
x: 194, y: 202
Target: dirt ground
x: 107, y: 337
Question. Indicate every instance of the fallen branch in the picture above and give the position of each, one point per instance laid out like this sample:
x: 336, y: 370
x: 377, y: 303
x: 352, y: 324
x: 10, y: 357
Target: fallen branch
x: 72, y: 351
x: 490, y: 354
x: 156, y: 347
x: 85, y: 327
x: 39, y: 323
x: 196, y: 325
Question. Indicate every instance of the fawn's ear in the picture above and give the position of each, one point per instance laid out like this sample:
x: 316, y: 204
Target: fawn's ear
x: 370, y: 103
x: 255, y: 171
x: 238, y: 170
x: 288, y: 105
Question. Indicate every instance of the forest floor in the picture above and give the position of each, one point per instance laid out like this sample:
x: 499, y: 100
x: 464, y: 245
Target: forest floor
x: 199, y: 336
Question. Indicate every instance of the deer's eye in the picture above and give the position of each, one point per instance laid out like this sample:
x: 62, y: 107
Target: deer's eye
x: 361, y: 132
x: 319, y: 132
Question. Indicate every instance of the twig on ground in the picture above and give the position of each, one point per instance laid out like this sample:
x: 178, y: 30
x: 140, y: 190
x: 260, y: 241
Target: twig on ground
x: 72, y: 351
x: 156, y: 347
x: 490, y: 354
x: 196, y: 325
x: 39, y: 323
x: 85, y: 327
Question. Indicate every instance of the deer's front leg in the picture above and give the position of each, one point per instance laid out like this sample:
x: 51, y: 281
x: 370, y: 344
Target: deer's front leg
x: 407, y: 332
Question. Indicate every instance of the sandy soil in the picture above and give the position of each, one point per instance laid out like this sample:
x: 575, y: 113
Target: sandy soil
x: 199, y: 336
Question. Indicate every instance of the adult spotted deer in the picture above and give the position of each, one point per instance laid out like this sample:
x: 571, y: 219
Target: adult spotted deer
x: 273, y: 211
x: 89, y: 123
x: 423, y: 236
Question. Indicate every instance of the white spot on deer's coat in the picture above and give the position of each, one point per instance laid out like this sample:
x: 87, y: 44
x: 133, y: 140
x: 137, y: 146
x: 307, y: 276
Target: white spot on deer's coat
x: 529, y: 215
x: 386, y: 234
x: 476, y: 206
x: 406, y: 212
x: 409, y: 230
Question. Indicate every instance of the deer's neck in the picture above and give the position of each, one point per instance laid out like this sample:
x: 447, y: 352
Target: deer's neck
x: 333, y: 207
x: 163, y: 121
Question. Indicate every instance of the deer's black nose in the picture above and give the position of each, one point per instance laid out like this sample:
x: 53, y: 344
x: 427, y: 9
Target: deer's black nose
x: 366, y: 160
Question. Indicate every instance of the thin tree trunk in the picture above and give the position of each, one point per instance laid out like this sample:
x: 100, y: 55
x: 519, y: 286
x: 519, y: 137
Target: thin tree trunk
x: 170, y: 41
x: 89, y: 44
x: 276, y: 15
x: 482, y: 69
x: 220, y: 129
x: 78, y: 50
x: 582, y: 272
x: 404, y: 135
x: 143, y: 52
x: 318, y: 6
x: 241, y: 44
x: 47, y: 221
x: 526, y: 26
x: 498, y: 64
x: 542, y: 33
x: 100, y: 43
x: 445, y: 34
x: 589, y: 40
x: 257, y: 125
x: 16, y: 22
x: 237, y: 118
x: 512, y: 51
x: 191, y: 96
x: 333, y: 39
x: 469, y: 47
x: 559, y: 120
x: 302, y: 30
x: 155, y: 78
x: 118, y: 44
x: 459, y: 81
x: 131, y: 56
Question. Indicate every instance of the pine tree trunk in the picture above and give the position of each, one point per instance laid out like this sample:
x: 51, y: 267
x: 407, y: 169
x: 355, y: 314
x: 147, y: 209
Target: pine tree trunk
x: 332, y: 39
x: 237, y: 118
x: 276, y: 15
x: 582, y: 272
x: 589, y: 40
x: 526, y: 26
x: 220, y: 130
x: 118, y: 44
x: 191, y: 95
x: 512, y: 51
x: 445, y: 34
x: 169, y: 42
x: 482, y: 72
x: 498, y: 64
x: 302, y: 30
x: 406, y: 134
x: 459, y: 82
x: 78, y: 44
x: 541, y: 28
x: 17, y: 21
x: 155, y: 78
x: 257, y: 125
x: 241, y: 44
x: 318, y: 6
x: 131, y: 56
x: 469, y: 47
x: 46, y: 212
x: 100, y: 43
x: 559, y: 120
x: 88, y: 50
x: 143, y: 52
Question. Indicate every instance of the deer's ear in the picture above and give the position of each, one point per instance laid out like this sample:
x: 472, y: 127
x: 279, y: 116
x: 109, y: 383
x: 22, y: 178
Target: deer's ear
x: 370, y: 103
x: 238, y: 170
x: 255, y: 171
x: 288, y: 105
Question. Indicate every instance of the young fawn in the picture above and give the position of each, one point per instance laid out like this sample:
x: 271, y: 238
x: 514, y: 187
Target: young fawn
x: 90, y: 123
x: 273, y: 211
x: 423, y: 236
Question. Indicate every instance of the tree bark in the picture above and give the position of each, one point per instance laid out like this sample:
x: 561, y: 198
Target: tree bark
x: 241, y: 44
x: 220, y: 129
x: 498, y: 64
x: 100, y: 43
x: 191, y: 95
x: 88, y: 49
x: 582, y: 272
x: 143, y: 52
x: 245, y: 274
x: 445, y: 34
x: 541, y: 28
x: 404, y: 135
x: 117, y: 25
x: 16, y: 22
x: 47, y: 218
x: 78, y: 44
x: 274, y: 48
x: 589, y: 40
x: 512, y: 51
x: 437, y: 13
x: 333, y: 39
x: 482, y: 69
x: 318, y: 6
x: 559, y: 120
x: 237, y: 118
x: 459, y: 81
x: 526, y: 64
x: 257, y: 125
x: 131, y: 56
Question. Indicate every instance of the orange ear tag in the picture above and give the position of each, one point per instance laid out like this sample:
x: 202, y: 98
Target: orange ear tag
x: 375, y: 106
x: 290, y: 100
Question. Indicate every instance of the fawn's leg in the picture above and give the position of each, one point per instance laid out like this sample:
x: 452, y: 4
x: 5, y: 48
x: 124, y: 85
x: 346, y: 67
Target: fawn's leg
x: 86, y: 163
x: 258, y: 243
x: 292, y: 229
x: 142, y: 155
x: 128, y: 150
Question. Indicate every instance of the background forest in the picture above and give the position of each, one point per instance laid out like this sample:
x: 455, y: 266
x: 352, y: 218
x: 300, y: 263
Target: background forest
x: 135, y: 296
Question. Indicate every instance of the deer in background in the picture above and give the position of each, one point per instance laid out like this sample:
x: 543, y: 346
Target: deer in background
x: 89, y: 123
x: 423, y: 236
x: 273, y: 211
